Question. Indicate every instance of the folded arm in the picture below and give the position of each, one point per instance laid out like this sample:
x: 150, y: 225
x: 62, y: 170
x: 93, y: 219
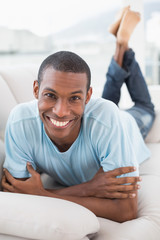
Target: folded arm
x: 117, y: 209
x: 105, y: 185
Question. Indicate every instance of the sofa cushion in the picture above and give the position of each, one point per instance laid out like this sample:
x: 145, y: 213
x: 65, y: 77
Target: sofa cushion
x: 154, y: 134
x: 146, y: 226
x: 7, y: 102
x: 9, y: 237
x: 151, y: 166
x: 2, y: 151
x: 36, y: 217
x: 2, y: 156
x: 19, y: 79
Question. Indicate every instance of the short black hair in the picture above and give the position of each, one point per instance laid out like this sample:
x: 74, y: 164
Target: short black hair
x: 65, y: 61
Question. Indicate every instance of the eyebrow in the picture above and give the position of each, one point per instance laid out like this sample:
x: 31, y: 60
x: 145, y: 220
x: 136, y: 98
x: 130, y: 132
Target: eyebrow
x: 80, y: 91
x: 52, y: 90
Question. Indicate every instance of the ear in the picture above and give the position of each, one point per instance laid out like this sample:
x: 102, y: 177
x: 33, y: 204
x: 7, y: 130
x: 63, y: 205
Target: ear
x: 35, y: 89
x: 89, y: 94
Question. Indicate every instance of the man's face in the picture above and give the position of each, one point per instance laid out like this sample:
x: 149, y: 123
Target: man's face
x: 61, y: 101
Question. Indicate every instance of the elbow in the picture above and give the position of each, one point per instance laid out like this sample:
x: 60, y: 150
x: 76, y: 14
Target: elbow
x: 133, y: 211
x: 128, y: 214
x: 129, y: 210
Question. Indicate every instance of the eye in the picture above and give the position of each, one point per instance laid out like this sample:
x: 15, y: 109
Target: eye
x: 50, y: 95
x: 75, y: 98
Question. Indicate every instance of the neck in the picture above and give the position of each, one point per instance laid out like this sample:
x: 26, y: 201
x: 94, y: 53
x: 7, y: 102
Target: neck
x: 63, y: 147
x: 64, y: 144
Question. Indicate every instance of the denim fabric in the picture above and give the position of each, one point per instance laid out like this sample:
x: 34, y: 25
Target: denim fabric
x: 131, y: 75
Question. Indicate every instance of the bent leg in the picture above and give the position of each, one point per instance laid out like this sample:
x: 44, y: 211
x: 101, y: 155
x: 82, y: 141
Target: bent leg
x: 136, y: 84
x: 143, y: 110
x: 115, y: 76
x: 124, y: 68
x: 143, y: 118
x: 114, y: 79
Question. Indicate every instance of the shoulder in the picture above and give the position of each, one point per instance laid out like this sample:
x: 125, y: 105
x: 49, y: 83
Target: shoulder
x: 100, y: 103
x: 24, y: 111
x: 100, y: 119
x: 24, y: 120
x: 102, y: 111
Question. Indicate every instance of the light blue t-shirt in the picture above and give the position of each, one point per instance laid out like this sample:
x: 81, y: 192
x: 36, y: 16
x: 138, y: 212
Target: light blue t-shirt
x: 108, y: 137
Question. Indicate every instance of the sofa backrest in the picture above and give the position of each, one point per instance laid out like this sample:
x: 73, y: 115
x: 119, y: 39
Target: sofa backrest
x: 126, y: 101
x: 15, y: 87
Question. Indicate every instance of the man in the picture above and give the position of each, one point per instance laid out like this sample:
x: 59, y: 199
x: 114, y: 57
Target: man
x: 87, y: 145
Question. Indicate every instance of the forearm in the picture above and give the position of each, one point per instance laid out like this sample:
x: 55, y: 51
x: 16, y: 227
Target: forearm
x: 118, y: 210
x: 80, y: 190
x: 104, y: 198
x: 88, y: 189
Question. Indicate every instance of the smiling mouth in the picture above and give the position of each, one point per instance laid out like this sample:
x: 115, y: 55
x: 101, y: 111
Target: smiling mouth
x: 59, y: 124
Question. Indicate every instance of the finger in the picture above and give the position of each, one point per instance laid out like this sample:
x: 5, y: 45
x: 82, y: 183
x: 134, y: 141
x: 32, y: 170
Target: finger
x: 6, y: 186
x: 9, y: 177
x: 4, y: 180
x: 120, y: 171
x: 5, y: 190
x: 120, y: 195
x: 135, y: 184
x: 100, y: 170
x: 30, y: 168
x: 126, y: 180
x: 123, y: 188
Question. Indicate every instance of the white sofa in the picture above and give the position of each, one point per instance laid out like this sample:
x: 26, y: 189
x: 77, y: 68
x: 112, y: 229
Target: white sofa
x: 33, y: 217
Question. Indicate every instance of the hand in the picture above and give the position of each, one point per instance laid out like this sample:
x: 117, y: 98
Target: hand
x: 107, y: 185
x: 32, y: 185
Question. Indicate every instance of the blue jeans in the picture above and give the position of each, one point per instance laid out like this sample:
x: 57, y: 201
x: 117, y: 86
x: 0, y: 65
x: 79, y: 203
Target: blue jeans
x: 130, y: 73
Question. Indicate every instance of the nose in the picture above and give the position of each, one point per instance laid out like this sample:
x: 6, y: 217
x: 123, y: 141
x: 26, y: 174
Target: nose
x: 61, y: 108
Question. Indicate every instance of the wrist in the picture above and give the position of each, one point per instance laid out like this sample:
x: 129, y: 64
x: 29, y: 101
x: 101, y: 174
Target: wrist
x: 87, y: 190
x: 45, y: 192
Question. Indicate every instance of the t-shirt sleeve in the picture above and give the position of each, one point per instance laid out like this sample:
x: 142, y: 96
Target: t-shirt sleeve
x: 18, y: 151
x: 115, y: 148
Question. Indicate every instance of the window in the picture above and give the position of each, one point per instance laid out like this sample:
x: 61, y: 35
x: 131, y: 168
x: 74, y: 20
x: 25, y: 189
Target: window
x: 31, y: 30
x: 152, y: 41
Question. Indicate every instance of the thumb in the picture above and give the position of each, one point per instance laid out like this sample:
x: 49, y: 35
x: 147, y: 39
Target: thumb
x: 30, y: 168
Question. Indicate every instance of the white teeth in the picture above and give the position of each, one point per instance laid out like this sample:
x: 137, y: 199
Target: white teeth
x: 59, y: 124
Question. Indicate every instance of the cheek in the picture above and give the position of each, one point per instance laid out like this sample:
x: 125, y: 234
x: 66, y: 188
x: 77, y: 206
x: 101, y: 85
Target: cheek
x: 79, y: 109
x: 41, y: 105
x: 44, y: 105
